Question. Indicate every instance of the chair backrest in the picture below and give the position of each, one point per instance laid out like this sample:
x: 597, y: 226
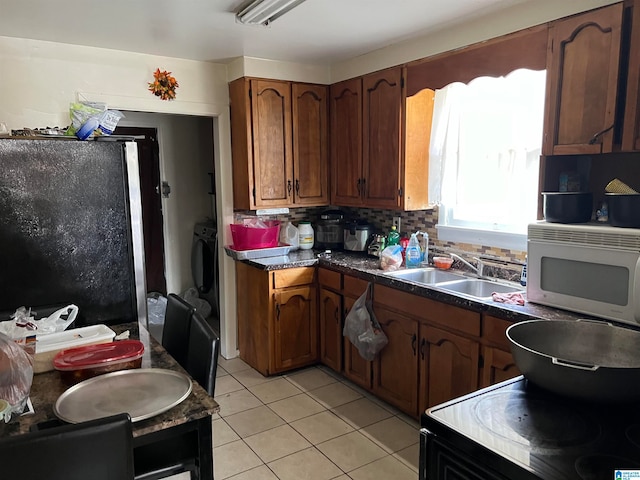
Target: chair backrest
x: 177, y: 322
x: 99, y: 449
x: 202, y: 357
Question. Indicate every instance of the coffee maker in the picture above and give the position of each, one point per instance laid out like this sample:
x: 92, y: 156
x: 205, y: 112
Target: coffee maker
x: 329, y: 230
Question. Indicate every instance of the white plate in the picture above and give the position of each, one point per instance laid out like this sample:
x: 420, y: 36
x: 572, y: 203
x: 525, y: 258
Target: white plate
x: 142, y: 393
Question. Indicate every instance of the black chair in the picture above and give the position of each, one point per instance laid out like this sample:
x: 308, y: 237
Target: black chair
x: 99, y: 449
x: 202, y: 355
x: 177, y: 322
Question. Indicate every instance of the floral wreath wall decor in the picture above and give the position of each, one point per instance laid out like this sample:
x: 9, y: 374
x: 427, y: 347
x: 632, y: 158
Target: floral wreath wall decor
x: 163, y: 85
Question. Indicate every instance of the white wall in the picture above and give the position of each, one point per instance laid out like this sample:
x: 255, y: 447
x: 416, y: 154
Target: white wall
x: 40, y: 79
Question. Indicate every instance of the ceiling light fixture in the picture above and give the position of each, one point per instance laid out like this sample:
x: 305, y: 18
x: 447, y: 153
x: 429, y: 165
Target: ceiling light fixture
x: 263, y: 12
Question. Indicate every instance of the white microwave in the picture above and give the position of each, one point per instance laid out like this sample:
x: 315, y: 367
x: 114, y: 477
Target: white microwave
x: 585, y: 268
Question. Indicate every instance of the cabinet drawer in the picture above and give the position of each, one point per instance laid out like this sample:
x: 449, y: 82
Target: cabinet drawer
x: 437, y: 313
x: 329, y: 278
x: 493, y: 330
x: 353, y: 286
x: 291, y: 277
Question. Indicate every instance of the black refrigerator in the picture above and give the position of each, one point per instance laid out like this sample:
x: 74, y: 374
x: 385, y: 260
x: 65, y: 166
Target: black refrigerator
x: 71, y: 229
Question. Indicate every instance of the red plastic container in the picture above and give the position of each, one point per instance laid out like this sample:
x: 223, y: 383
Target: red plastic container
x: 80, y: 363
x: 249, y: 238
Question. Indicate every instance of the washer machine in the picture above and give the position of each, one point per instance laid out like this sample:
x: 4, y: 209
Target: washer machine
x: 204, y: 264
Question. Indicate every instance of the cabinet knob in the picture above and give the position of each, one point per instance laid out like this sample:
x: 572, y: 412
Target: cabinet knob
x: 423, y: 343
x: 297, y: 187
x: 289, y: 187
x: 414, y: 340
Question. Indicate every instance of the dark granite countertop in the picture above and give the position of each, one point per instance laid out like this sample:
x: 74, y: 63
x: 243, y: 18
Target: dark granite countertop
x: 366, y: 267
x: 48, y: 386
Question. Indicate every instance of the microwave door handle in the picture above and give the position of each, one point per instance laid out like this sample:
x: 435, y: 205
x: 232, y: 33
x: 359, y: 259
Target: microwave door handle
x: 635, y: 291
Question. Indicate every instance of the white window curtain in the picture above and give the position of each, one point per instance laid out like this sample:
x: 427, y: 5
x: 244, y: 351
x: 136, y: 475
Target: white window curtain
x: 485, y: 149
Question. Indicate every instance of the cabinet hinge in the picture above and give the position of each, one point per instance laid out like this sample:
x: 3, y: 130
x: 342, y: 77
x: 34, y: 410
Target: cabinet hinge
x: 400, y: 192
x: 250, y: 93
x: 253, y: 192
x: 401, y: 82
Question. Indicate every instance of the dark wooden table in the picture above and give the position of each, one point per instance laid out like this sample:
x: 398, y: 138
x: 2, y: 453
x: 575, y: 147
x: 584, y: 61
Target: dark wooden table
x: 181, y: 432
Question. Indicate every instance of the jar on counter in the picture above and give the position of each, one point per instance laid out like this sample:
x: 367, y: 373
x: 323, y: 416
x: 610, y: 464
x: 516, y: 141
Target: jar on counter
x: 305, y: 235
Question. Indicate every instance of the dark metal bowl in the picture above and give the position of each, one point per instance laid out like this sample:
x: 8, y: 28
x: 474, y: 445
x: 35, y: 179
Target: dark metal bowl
x: 624, y: 209
x: 591, y: 360
x: 567, y: 207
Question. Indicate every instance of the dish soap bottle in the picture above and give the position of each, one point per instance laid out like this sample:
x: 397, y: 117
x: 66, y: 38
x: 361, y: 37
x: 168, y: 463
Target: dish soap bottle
x: 413, y: 254
x: 394, y: 237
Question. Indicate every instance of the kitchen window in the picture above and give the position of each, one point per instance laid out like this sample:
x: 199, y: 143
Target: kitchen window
x: 484, y: 158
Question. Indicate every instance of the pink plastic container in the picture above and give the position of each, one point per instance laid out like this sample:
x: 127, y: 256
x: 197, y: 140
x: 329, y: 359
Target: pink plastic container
x: 248, y: 238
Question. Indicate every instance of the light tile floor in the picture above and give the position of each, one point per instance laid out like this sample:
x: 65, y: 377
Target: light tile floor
x: 310, y: 424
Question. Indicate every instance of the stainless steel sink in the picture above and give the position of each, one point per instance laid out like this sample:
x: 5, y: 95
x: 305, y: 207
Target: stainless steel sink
x: 428, y: 276
x: 478, y: 288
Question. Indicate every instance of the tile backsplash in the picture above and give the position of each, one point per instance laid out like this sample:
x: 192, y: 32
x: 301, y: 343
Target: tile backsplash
x: 423, y: 220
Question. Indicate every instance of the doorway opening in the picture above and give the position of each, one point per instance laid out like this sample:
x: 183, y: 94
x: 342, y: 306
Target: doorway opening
x: 149, y: 170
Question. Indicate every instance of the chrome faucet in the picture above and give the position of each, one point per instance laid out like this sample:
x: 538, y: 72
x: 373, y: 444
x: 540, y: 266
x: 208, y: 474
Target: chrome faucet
x: 477, y: 270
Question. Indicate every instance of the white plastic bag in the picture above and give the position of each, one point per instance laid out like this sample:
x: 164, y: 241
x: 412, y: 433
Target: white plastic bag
x: 16, y: 375
x: 156, y: 308
x: 192, y: 297
x: 391, y: 258
x: 22, y: 324
x: 362, y: 328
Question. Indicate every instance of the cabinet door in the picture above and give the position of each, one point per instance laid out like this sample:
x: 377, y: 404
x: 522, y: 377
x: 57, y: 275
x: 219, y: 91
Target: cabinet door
x: 296, y: 338
x: 498, y: 366
x: 382, y: 123
x: 449, y: 366
x: 346, y: 142
x: 331, y: 329
x: 582, y: 82
x: 272, y: 145
x: 310, y: 144
x: 395, y: 370
x: 631, y: 133
x: 356, y: 368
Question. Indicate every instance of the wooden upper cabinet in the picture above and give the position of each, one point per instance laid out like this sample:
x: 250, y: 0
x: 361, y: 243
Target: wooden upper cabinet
x: 279, y: 143
x: 310, y: 144
x: 381, y: 123
x: 582, y: 82
x: 272, y: 151
x: 631, y: 132
x: 346, y: 142
x: 380, y: 142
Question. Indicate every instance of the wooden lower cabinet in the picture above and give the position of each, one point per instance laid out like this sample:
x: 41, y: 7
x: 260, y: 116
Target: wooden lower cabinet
x: 498, y: 366
x: 449, y: 366
x: 296, y: 330
x: 395, y: 370
x: 277, y: 318
x: 355, y: 368
x: 331, y: 329
x: 498, y: 363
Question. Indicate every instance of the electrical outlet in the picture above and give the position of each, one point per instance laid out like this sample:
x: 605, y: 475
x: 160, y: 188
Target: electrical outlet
x: 396, y: 222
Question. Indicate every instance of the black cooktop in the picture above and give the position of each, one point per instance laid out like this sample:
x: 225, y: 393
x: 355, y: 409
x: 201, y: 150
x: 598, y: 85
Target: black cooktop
x: 522, y: 427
